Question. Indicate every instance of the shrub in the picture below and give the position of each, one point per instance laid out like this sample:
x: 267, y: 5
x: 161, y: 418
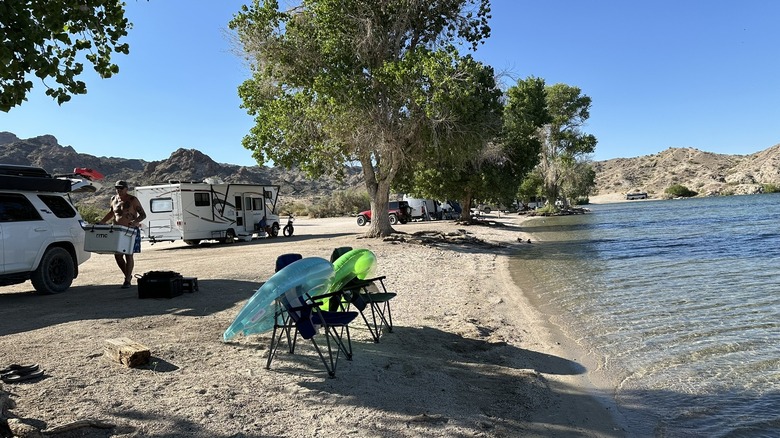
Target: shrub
x: 680, y: 191
x: 91, y: 214
x: 340, y: 203
x: 771, y: 188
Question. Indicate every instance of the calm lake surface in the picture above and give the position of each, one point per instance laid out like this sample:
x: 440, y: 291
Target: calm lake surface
x: 678, y: 300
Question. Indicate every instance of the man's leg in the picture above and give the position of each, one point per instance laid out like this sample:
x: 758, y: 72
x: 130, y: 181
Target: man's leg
x: 120, y: 261
x: 129, y: 265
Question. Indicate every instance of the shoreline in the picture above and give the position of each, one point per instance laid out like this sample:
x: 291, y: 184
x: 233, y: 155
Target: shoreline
x: 471, y: 354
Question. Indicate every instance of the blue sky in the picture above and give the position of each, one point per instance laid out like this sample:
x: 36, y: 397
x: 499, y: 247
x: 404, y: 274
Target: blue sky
x: 686, y: 73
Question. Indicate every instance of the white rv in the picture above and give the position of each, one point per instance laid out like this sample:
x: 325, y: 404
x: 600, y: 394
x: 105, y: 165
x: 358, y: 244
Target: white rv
x: 195, y: 211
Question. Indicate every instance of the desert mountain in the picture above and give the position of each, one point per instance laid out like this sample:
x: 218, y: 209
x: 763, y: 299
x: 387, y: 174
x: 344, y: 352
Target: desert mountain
x: 707, y: 173
x: 704, y: 172
x: 183, y: 165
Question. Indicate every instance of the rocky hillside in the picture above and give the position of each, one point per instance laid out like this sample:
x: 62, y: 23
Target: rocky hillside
x: 182, y: 165
x: 704, y: 172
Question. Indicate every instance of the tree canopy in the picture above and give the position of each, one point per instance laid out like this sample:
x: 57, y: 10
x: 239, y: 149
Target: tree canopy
x: 375, y: 81
x: 48, y: 38
x: 563, y: 144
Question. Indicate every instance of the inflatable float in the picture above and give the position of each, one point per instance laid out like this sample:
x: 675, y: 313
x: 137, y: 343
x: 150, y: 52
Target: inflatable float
x: 357, y: 263
x: 311, y: 275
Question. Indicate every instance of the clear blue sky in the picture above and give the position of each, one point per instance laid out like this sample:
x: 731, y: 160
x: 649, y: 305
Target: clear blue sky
x: 685, y: 73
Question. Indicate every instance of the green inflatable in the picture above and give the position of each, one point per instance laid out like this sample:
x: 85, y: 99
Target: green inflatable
x: 357, y: 263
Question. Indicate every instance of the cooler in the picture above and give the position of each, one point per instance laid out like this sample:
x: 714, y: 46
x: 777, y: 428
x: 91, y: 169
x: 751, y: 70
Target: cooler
x: 109, y: 239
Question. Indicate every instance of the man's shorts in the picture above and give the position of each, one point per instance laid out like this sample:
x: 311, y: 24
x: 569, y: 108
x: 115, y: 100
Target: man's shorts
x: 137, y: 246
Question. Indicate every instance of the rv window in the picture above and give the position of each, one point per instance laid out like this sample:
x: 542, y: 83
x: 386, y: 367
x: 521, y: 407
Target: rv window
x: 238, y: 203
x: 257, y: 204
x: 17, y: 208
x: 161, y: 205
x: 268, y: 194
x: 202, y: 200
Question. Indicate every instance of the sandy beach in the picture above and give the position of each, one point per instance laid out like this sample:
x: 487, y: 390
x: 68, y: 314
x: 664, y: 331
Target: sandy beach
x: 469, y: 355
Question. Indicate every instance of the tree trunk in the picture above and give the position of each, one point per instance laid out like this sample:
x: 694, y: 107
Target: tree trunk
x: 378, y: 186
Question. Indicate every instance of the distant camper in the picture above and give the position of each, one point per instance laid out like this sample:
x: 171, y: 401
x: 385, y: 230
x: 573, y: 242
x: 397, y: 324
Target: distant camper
x: 196, y: 211
x: 423, y: 209
x: 636, y: 195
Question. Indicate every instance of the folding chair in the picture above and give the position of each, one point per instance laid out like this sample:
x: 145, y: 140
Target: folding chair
x: 298, y: 313
x: 282, y: 321
x: 365, y: 293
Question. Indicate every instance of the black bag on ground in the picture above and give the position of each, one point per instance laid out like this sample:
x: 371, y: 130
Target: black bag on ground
x: 160, y: 284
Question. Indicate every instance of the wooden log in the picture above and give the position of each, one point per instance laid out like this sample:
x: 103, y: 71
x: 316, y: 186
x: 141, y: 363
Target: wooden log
x: 127, y: 352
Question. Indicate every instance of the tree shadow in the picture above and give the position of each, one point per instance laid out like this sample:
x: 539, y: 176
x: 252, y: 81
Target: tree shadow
x: 25, y: 311
x: 442, y: 381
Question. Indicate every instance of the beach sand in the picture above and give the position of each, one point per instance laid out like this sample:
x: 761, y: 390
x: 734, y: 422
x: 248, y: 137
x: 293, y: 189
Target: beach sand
x: 469, y: 355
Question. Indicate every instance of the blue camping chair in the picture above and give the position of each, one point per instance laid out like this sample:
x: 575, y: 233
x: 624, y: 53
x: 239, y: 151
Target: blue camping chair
x: 303, y: 315
x: 364, y: 294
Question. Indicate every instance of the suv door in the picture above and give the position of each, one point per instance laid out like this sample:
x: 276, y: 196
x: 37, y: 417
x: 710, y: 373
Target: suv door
x: 23, y: 231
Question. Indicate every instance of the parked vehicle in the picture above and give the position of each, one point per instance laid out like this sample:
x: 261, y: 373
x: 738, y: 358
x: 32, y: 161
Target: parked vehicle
x: 196, y: 211
x: 289, y: 229
x: 636, y: 195
x: 399, y: 211
x: 423, y: 209
x: 41, y: 233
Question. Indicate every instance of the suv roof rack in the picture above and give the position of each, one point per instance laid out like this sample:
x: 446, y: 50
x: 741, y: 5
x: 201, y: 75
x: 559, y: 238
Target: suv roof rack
x: 30, y: 178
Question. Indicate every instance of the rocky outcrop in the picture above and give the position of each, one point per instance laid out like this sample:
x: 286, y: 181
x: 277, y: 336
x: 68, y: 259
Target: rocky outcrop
x: 183, y: 165
x: 707, y: 173
x: 704, y: 172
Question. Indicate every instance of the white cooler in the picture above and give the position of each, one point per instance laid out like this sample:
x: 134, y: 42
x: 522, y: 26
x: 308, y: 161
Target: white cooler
x: 109, y: 239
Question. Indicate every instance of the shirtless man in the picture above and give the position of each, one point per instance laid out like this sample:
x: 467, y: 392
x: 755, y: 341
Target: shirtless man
x: 126, y: 210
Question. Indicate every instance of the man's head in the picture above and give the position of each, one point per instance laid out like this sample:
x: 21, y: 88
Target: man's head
x: 121, y: 184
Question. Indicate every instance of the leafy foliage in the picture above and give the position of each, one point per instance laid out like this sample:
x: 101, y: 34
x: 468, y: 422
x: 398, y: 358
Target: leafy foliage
x: 680, y: 191
x: 564, y: 144
x: 48, y: 38
x: 91, y: 213
x: 377, y: 82
x: 770, y: 188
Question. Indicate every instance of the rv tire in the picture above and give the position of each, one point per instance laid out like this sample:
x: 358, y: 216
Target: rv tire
x: 192, y: 242
x: 274, y: 230
x: 230, y: 236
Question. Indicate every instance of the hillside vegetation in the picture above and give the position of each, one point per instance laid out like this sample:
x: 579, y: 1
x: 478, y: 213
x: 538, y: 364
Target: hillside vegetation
x: 706, y: 173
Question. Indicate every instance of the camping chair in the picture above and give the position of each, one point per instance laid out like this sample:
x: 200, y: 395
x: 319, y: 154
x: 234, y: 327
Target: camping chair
x: 366, y: 294
x: 301, y: 315
x: 282, y: 322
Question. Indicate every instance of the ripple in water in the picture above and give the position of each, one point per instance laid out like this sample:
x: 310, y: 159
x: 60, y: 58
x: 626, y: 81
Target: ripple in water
x: 681, y: 299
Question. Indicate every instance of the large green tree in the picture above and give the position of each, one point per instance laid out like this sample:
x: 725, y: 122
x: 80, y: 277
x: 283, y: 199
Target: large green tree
x: 374, y: 81
x: 48, y: 38
x: 499, y: 162
x: 563, y: 143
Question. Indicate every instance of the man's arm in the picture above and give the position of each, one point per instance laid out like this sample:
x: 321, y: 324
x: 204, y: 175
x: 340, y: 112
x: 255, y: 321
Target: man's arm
x: 110, y: 213
x: 140, y: 213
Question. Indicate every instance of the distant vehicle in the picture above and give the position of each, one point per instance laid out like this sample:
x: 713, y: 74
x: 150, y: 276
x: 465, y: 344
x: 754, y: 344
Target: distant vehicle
x: 423, y: 209
x: 196, y: 211
x: 42, y: 233
x: 399, y: 211
x: 636, y: 195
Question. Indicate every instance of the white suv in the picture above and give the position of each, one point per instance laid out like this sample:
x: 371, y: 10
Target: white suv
x: 41, y: 234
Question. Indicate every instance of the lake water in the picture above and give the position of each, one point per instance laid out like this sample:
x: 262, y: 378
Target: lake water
x: 678, y: 300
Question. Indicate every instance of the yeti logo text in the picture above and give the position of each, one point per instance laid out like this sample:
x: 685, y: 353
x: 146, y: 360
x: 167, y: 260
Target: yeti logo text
x: 101, y: 236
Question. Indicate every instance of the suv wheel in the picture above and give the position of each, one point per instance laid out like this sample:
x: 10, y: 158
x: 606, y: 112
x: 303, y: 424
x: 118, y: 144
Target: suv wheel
x: 55, y: 273
x: 393, y: 219
x: 361, y: 220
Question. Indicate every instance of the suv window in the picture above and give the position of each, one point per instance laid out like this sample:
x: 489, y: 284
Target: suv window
x: 392, y: 205
x: 58, y: 205
x: 17, y: 208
